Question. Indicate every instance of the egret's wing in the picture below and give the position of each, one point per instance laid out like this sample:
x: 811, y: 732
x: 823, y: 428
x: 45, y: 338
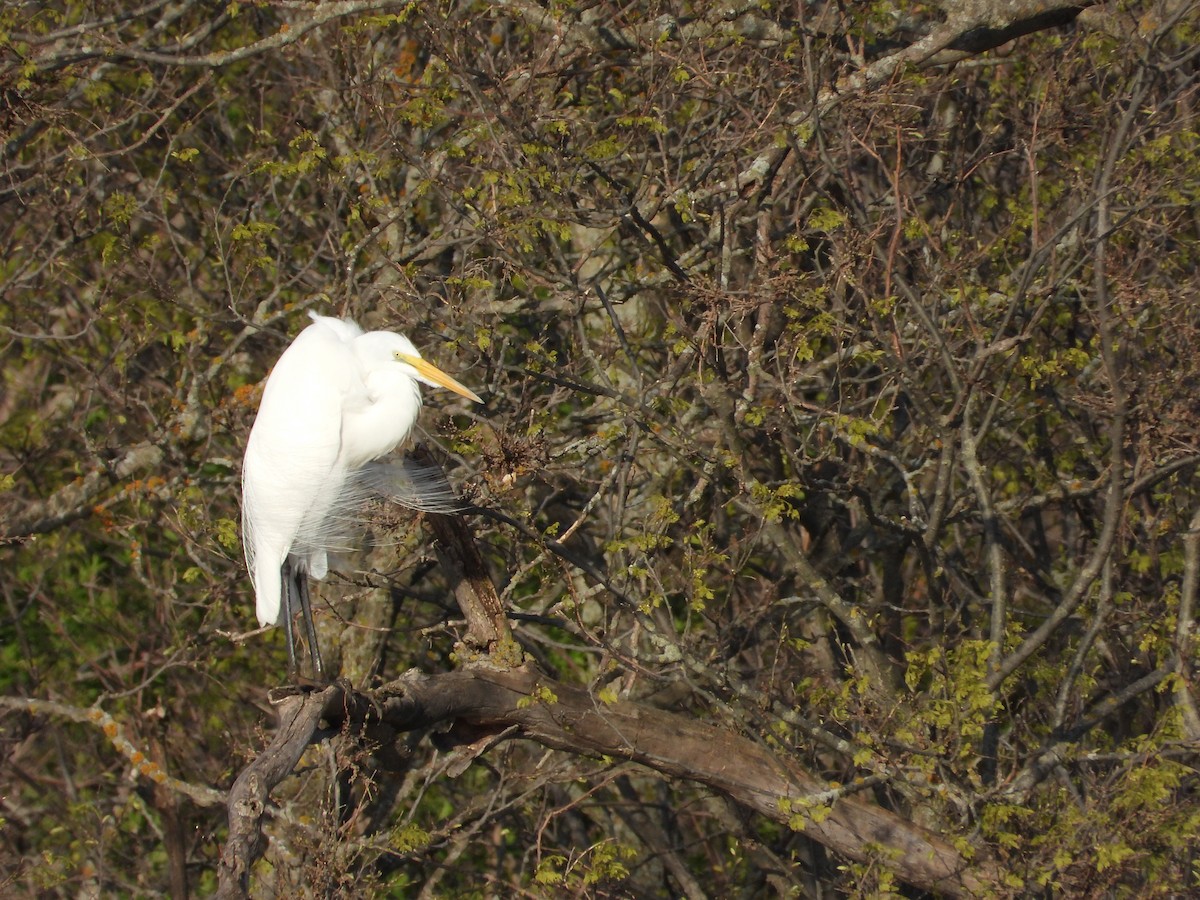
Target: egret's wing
x: 401, y: 481
x: 291, y: 474
x: 340, y: 533
x: 410, y: 484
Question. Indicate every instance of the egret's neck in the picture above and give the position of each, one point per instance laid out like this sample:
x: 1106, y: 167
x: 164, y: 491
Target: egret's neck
x: 379, y: 426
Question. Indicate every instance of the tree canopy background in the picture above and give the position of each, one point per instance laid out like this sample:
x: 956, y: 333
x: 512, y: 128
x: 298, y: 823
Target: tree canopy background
x: 841, y: 375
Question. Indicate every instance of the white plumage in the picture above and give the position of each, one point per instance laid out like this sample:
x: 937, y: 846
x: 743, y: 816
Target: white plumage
x: 337, y: 400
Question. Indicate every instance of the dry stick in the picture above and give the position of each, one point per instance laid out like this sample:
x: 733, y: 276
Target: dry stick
x: 652, y: 834
x: 567, y: 718
x: 997, y: 582
x: 78, y: 499
x: 868, y: 653
x: 1057, y: 753
x: 299, y: 718
x: 1185, y: 627
x: 487, y: 624
x: 321, y: 14
x: 1111, y: 356
x: 142, y: 764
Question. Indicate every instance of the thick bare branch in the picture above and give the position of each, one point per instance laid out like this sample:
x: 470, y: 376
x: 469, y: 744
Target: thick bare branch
x: 572, y: 720
x: 300, y: 716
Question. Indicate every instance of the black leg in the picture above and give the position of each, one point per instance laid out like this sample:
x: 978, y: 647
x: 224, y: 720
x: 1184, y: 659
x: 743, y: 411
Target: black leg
x: 310, y: 627
x: 285, y: 576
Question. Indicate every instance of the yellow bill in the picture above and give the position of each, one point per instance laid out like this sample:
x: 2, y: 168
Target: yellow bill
x: 437, y: 376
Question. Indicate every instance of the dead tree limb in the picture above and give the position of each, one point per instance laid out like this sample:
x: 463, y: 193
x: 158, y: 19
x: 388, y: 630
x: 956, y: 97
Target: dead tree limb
x: 300, y: 717
x: 487, y: 624
x: 567, y: 718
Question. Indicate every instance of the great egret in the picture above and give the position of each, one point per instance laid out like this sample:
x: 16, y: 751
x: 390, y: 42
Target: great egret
x: 337, y: 400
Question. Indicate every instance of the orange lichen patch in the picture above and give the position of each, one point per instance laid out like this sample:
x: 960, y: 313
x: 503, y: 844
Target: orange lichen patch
x: 153, y: 772
x: 107, y: 521
x: 245, y: 394
x: 407, y: 59
x: 141, y: 764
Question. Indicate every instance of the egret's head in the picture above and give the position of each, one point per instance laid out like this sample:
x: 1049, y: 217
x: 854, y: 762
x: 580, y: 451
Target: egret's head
x: 387, y: 348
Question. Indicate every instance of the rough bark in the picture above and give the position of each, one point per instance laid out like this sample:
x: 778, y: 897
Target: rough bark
x: 567, y: 718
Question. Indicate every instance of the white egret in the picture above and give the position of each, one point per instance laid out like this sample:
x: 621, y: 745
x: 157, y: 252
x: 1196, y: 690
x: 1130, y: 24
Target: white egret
x: 337, y: 400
